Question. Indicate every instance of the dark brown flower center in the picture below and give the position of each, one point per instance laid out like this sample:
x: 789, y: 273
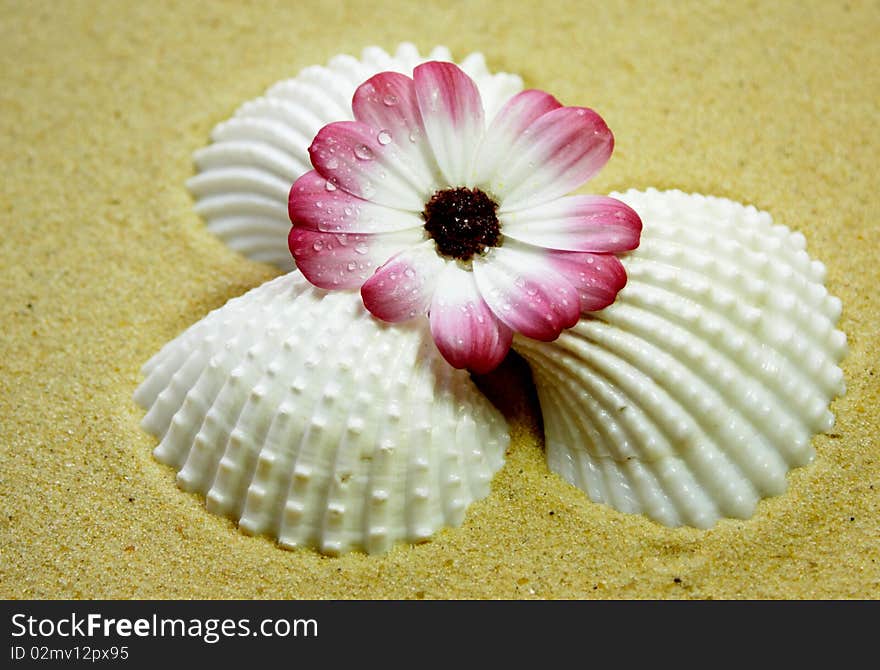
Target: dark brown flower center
x: 462, y: 222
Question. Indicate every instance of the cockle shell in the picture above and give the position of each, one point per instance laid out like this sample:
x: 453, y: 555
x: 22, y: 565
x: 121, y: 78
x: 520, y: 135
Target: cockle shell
x: 296, y: 413
x: 245, y: 175
x: 693, y: 394
x: 292, y: 410
x: 687, y: 400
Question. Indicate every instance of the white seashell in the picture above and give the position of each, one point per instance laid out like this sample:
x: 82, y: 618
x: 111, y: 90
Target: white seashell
x: 687, y: 400
x: 245, y: 175
x: 691, y: 397
x: 302, y: 417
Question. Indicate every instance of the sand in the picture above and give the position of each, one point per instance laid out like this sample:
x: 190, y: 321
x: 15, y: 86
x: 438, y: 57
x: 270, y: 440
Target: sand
x: 102, y: 260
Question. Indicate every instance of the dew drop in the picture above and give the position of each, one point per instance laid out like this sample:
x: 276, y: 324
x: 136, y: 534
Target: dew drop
x: 352, y: 266
x: 363, y: 152
x: 414, y: 134
x: 360, y: 248
x: 330, y: 186
x: 390, y: 100
x: 318, y: 245
x: 384, y: 137
x: 409, y: 272
x: 331, y: 164
x: 347, y: 211
x: 319, y: 204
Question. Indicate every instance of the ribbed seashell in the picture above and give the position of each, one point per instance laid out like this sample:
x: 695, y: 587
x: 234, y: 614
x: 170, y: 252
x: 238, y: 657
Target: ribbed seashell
x: 694, y: 393
x: 688, y: 400
x: 297, y: 414
x: 244, y: 176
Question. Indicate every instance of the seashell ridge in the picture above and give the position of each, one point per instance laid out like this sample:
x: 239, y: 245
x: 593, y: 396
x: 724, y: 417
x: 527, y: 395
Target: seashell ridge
x: 244, y: 176
x: 298, y: 415
x: 692, y: 395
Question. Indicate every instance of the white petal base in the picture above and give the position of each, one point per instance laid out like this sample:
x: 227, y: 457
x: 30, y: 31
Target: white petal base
x: 691, y: 397
x: 297, y: 414
x: 244, y: 176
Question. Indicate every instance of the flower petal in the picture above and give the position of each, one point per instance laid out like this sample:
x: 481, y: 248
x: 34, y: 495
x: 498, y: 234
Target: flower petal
x: 350, y: 155
x: 402, y: 287
x: 345, y: 260
x: 598, y: 278
x: 317, y: 204
x: 516, y: 116
x: 576, y: 223
x: 466, y: 331
x: 557, y: 153
x: 452, y: 114
x: 526, y: 292
x: 387, y: 102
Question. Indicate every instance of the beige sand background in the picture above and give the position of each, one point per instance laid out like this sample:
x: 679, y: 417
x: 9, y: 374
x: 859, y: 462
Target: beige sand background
x: 102, y: 261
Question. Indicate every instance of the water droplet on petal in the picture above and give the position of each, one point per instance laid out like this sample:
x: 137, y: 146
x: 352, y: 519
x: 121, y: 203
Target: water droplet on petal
x: 330, y: 186
x: 390, y: 100
x: 409, y: 272
x: 361, y: 248
x: 384, y: 137
x: 414, y: 134
x: 319, y: 204
x: 363, y: 152
x: 331, y: 164
x: 318, y: 245
x: 352, y: 266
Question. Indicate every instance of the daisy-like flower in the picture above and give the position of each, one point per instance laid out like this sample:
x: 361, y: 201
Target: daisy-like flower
x: 429, y: 210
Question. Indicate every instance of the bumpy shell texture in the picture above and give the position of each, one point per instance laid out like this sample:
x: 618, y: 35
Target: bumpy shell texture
x: 245, y: 175
x: 297, y: 414
x: 292, y: 410
x: 300, y: 416
x: 691, y: 397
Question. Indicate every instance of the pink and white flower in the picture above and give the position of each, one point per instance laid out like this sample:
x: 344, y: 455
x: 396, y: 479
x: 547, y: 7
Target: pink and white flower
x: 429, y: 210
